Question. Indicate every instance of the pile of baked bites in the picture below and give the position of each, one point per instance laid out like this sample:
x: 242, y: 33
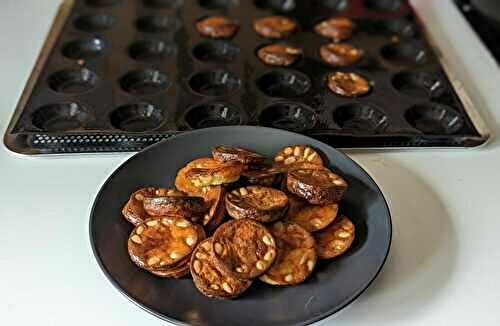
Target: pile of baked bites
x: 283, y: 217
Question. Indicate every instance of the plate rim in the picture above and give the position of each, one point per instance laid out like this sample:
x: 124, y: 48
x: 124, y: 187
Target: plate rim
x: 145, y: 307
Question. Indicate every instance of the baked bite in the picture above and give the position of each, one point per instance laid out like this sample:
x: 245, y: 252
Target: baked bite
x: 259, y: 203
x: 210, y: 280
x: 243, y: 249
x: 336, y: 239
x: 318, y: 187
x: 296, y: 255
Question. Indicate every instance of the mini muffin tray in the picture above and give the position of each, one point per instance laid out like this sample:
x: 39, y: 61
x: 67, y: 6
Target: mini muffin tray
x: 120, y: 75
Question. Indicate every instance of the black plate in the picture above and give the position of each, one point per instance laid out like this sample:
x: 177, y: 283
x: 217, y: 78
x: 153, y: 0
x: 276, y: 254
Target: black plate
x: 333, y: 285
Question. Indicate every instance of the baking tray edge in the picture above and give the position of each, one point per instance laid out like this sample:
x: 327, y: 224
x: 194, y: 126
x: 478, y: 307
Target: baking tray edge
x: 469, y: 105
x: 16, y: 142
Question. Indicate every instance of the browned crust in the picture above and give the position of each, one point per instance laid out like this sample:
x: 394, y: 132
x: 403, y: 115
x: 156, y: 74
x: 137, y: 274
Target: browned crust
x: 209, y: 172
x: 213, y: 196
x: 340, y: 55
x: 276, y: 27
x: 189, y: 207
x: 177, y: 272
x: 262, y: 176
x: 216, y: 214
x: 163, y: 242
x: 181, y: 268
x: 259, y: 203
x: 279, y: 55
x: 184, y: 185
x: 238, y: 154
x: 336, y: 239
x: 243, y: 249
x: 338, y: 28
x: 209, y: 280
x: 297, y: 255
x: 318, y: 187
x: 348, y: 84
x: 217, y: 27
x: 312, y: 218
x: 133, y: 211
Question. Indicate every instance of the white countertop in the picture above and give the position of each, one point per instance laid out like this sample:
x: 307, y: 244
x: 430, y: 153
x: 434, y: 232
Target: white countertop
x: 443, y: 268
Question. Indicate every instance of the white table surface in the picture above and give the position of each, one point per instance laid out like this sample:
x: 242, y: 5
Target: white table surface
x: 443, y: 268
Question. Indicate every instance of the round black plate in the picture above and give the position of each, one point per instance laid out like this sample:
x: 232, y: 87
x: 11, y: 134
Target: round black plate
x: 333, y: 285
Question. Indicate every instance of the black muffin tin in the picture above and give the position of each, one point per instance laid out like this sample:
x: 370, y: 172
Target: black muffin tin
x: 119, y: 75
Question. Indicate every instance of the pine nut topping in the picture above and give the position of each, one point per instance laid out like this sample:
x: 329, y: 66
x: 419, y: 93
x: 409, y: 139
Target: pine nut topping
x: 267, y: 240
x: 343, y: 234
x: 206, y: 246
x: 311, y: 157
x: 269, y: 255
x: 152, y: 223
x: 260, y: 265
x: 136, y: 239
x: 297, y: 151
x: 197, y: 266
x: 227, y: 287
x: 153, y: 260
x: 218, y: 248
x: 310, y: 265
x: 190, y: 241
x: 182, y: 223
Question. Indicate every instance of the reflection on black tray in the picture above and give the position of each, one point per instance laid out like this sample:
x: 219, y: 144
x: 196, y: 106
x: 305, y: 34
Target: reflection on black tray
x: 125, y: 74
x: 484, y: 16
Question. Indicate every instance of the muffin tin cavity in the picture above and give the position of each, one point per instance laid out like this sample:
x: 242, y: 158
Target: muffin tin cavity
x: 84, y: 49
x: 60, y: 117
x: 73, y: 81
x: 103, y: 3
x: 402, y: 27
x: 214, y: 83
x: 95, y: 23
x: 276, y: 5
x: 291, y: 116
x: 216, y: 51
x: 284, y: 83
x: 419, y: 84
x: 405, y: 53
x: 337, y: 5
x: 149, y: 50
x: 359, y: 117
x: 213, y: 115
x: 163, y: 4
x: 158, y: 24
x: 145, y: 82
x: 217, y: 4
x: 141, y: 70
x: 383, y: 5
x: 433, y: 118
x: 140, y: 117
